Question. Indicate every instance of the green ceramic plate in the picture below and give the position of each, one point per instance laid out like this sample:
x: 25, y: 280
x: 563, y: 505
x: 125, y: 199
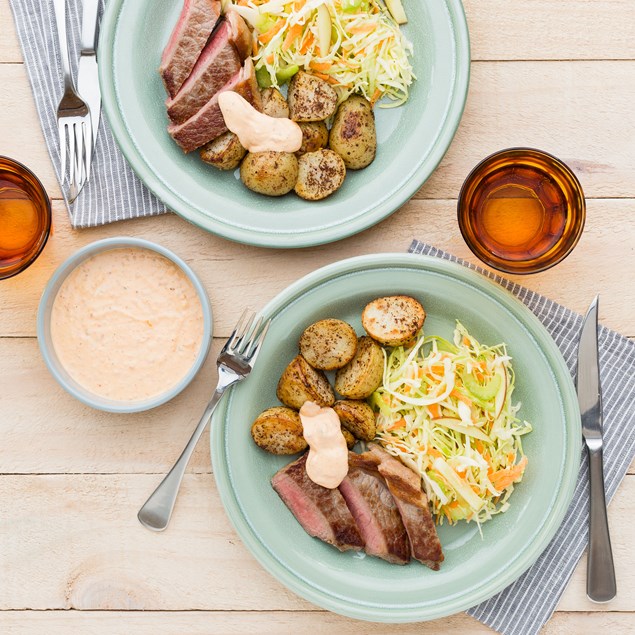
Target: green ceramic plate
x: 475, y: 568
x: 412, y: 139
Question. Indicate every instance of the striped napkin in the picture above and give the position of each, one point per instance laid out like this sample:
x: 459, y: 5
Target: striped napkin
x: 524, y: 606
x: 113, y: 192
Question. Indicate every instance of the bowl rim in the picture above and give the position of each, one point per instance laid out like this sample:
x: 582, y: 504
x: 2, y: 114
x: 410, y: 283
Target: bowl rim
x: 47, y: 213
x: 44, y: 313
x: 317, y: 236
x: 482, y: 254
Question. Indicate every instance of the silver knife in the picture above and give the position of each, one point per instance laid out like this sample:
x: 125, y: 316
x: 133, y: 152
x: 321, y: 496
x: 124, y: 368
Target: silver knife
x: 600, y: 582
x: 87, y: 77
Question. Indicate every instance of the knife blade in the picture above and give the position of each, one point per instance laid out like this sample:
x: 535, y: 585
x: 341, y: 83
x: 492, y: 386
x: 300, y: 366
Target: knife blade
x: 601, y: 585
x: 87, y: 76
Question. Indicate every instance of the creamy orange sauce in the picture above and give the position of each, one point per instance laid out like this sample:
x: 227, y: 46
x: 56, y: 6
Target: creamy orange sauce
x: 127, y: 324
x: 327, y: 463
x: 258, y: 132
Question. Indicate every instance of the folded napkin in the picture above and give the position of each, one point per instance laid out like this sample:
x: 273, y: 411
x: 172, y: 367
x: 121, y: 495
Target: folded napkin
x: 113, y: 192
x: 524, y: 606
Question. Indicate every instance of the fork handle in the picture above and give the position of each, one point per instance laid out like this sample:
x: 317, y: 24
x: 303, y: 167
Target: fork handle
x: 157, y: 510
x: 60, y: 20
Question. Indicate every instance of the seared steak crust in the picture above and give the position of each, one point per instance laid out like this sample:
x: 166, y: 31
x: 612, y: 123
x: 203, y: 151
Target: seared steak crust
x: 322, y: 512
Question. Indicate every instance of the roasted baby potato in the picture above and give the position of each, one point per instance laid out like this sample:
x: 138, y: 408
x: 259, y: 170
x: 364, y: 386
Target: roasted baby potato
x: 301, y: 382
x: 270, y: 173
x: 357, y: 417
x: 225, y: 152
x: 363, y: 374
x: 315, y: 135
x: 310, y: 98
x: 273, y: 103
x: 328, y: 344
x: 350, y: 439
x: 320, y: 174
x: 279, y: 431
x: 353, y: 134
x: 393, y: 320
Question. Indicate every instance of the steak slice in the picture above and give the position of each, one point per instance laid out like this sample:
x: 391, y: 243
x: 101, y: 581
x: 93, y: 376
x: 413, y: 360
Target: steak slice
x: 374, y: 510
x: 191, y: 32
x: 240, y: 33
x: 405, y: 487
x: 208, y: 123
x: 218, y: 63
x: 322, y: 512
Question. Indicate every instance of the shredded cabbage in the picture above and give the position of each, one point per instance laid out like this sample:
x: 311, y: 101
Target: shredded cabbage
x: 445, y: 409
x: 355, y: 45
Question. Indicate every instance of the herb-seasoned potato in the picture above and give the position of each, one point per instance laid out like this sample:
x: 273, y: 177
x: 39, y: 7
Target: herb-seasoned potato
x: 301, y: 382
x: 328, y: 344
x: 270, y: 173
x: 315, y: 135
x: 225, y: 152
x: 279, y: 431
x: 393, y: 320
x: 310, y: 98
x: 274, y: 104
x: 350, y: 439
x: 320, y: 174
x: 363, y: 374
x: 357, y: 417
x: 353, y: 134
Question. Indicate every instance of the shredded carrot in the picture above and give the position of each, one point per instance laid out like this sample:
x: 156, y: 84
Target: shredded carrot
x: 326, y: 78
x: 375, y: 97
x: 298, y: 4
x: 267, y: 36
x: 308, y: 43
x: 434, y: 452
x: 400, y: 423
x: 320, y: 66
x: 294, y: 33
x: 363, y: 28
x: 437, y: 368
x: 502, y: 479
x: 478, y: 444
x: 269, y: 59
x: 466, y: 341
x: 460, y: 397
x: 435, y: 410
x: 255, y: 47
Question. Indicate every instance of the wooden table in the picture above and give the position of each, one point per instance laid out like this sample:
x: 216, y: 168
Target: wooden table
x: 553, y: 75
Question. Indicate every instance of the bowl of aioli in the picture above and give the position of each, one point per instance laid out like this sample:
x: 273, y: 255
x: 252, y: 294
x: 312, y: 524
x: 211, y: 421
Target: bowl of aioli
x: 124, y: 325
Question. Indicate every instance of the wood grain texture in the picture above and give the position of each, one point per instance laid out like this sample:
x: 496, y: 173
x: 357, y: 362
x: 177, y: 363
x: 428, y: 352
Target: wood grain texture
x: 578, y: 111
x: 73, y: 541
x: 530, y: 30
x: 278, y: 623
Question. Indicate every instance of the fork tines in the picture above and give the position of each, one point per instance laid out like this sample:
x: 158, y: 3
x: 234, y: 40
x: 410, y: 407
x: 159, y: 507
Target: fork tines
x: 247, y: 336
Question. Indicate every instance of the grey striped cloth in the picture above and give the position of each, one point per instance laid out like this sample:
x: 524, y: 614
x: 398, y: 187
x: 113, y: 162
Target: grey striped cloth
x: 524, y: 606
x: 114, y: 192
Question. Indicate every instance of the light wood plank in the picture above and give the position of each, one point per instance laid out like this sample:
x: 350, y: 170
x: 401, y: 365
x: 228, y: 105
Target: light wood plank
x: 45, y: 430
x: 75, y: 542
x: 534, y: 30
x: 578, y: 111
x: 238, y: 274
x: 279, y: 623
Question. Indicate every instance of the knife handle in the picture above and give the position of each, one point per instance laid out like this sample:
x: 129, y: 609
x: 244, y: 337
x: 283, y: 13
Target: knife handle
x: 88, y: 38
x: 600, y: 585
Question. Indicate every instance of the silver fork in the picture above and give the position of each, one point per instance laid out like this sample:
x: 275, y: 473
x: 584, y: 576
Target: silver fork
x: 73, y: 117
x: 235, y: 361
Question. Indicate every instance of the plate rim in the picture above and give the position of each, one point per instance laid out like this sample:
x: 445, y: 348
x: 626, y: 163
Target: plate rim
x: 556, y: 513
x: 317, y: 236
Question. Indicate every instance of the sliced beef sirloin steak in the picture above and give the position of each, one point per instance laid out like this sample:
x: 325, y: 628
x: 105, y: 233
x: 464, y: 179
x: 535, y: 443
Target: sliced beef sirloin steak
x: 189, y: 36
x: 218, y: 63
x: 405, y: 487
x: 322, y: 512
x: 375, y: 510
x: 208, y: 123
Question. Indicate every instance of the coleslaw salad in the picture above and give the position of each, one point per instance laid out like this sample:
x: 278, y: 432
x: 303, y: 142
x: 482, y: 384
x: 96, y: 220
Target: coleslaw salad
x: 446, y: 410
x: 355, y: 45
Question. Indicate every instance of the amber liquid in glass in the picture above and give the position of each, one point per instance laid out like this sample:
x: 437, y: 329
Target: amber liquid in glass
x: 522, y: 213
